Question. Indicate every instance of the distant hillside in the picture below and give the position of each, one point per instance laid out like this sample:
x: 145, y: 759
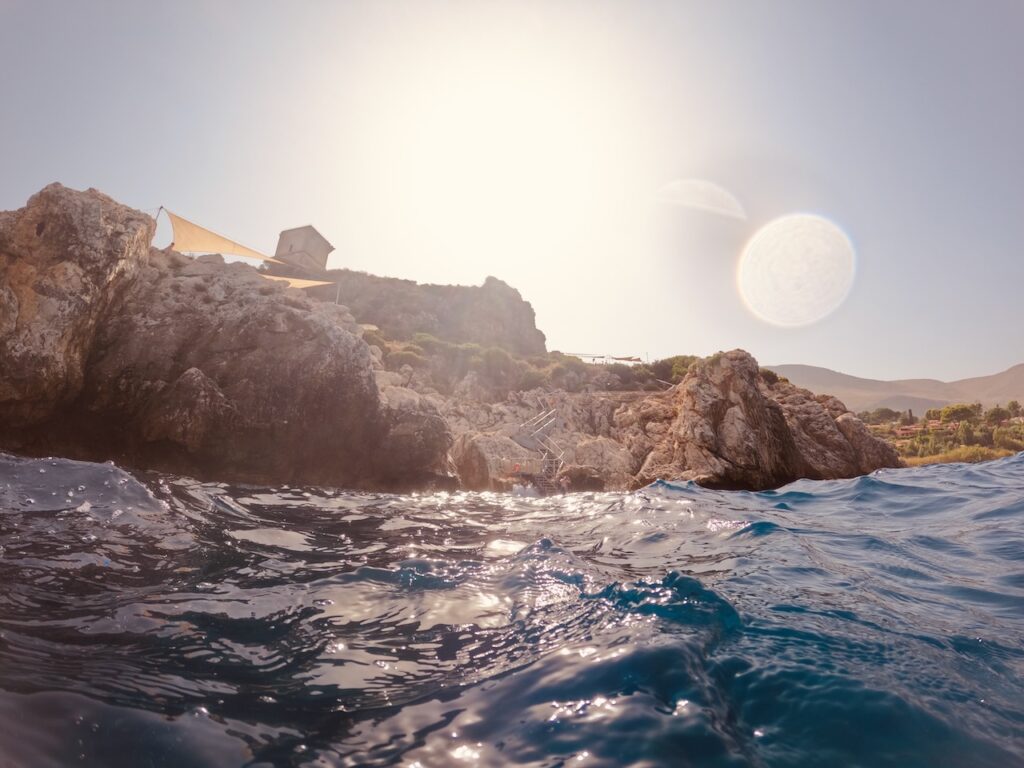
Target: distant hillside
x: 997, y: 388
x: 902, y: 394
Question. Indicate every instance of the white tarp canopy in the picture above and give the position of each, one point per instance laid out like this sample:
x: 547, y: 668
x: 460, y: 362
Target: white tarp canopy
x: 195, y: 239
x: 296, y: 282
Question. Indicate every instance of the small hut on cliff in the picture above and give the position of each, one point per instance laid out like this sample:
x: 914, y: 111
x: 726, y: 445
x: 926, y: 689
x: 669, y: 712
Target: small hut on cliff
x: 303, y: 247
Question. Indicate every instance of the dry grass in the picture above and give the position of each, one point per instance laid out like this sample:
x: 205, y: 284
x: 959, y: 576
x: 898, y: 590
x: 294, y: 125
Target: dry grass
x: 964, y: 453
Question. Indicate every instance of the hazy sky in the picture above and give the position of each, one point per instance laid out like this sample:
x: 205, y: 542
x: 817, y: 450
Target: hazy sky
x: 445, y: 142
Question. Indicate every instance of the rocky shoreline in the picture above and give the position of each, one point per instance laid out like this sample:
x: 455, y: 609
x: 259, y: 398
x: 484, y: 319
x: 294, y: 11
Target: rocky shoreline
x: 727, y: 425
x: 112, y: 349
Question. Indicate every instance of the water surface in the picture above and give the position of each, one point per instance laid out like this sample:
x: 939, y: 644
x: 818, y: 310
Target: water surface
x: 151, y: 620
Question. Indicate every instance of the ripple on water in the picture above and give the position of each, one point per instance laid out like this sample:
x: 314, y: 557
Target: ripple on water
x: 154, y: 620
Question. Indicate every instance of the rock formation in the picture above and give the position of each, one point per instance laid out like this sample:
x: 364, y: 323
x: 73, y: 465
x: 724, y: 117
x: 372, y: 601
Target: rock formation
x: 723, y: 426
x: 726, y: 426
x: 493, y: 314
x: 111, y: 349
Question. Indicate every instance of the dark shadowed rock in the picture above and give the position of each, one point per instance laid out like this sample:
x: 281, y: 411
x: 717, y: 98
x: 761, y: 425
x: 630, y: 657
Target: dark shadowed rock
x: 487, y: 461
x: 194, y: 366
x: 63, y: 259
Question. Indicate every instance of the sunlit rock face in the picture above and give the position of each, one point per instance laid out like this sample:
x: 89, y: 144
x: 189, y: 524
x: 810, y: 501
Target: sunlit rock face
x: 112, y: 349
x: 727, y: 426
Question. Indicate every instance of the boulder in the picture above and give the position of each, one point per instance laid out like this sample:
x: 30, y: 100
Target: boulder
x: 734, y: 429
x: 486, y: 461
x: 603, y: 457
x: 63, y: 259
x: 415, y: 436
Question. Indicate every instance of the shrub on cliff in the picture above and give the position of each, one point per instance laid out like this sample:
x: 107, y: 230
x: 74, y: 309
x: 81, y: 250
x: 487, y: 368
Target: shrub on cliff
x: 673, y: 369
x: 395, y: 359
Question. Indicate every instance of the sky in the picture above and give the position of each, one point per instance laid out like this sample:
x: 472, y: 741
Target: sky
x: 447, y: 141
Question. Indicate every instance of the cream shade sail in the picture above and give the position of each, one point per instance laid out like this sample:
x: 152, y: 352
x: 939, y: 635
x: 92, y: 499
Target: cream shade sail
x: 193, y: 238
x: 296, y: 282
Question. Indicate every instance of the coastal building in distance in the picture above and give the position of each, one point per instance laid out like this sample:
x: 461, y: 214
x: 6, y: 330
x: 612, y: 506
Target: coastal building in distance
x: 303, y: 247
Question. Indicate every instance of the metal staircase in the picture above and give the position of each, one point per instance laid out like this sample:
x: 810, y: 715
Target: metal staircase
x: 534, y: 435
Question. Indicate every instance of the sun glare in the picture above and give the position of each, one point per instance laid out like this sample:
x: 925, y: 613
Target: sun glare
x: 523, y: 155
x: 796, y: 270
x: 702, y: 195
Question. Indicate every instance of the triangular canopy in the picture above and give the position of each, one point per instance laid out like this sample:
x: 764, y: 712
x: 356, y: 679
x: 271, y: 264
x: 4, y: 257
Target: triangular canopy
x: 193, y: 238
x: 296, y: 282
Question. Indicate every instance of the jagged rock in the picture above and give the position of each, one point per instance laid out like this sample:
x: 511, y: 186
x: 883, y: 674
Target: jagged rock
x: 732, y: 429
x: 486, y: 462
x: 727, y: 433
x: 723, y: 426
x: 111, y: 349
x: 575, y: 477
x: 606, y: 459
x: 471, y: 388
x: 120, y: 351
x: 63, y: 258
x: 869, y: 452
x: 493, y: 314
x: 187, y: 411
x: 415, y: 435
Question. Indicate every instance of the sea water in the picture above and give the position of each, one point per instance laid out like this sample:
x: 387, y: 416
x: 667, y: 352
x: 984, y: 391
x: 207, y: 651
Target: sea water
x: 153, y: 620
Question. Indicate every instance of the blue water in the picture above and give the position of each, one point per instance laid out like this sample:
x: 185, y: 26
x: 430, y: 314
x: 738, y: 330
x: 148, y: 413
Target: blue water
x: 150, y: 620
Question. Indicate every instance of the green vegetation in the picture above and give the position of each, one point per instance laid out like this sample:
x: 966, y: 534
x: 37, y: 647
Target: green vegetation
x: 956, y: 432
x: 672, y: 369
x: 443, y: 364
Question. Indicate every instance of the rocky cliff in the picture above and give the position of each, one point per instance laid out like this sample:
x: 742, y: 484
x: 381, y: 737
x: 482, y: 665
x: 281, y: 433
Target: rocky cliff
x: 112, y: 349
x: 492, y: 314
x: 724, y: 426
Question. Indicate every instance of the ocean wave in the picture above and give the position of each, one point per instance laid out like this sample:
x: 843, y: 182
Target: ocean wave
x: 153, y: 620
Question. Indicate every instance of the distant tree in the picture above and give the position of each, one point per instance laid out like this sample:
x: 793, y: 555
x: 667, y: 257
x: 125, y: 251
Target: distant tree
x: 1004, y: 438
x: 1014, y: 408
x: 996, y: 415
x: 883, y: 416
x: 965, y: 433
x: 908, y: 418
x: 959, y: 412
x: 933, y: 414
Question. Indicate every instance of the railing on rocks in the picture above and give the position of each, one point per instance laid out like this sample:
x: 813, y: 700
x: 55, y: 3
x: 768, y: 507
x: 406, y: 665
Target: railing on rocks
x: 534, y: 435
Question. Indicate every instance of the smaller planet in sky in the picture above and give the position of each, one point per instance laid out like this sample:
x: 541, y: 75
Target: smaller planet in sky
x: 796, y: 270
x: 702, y: 195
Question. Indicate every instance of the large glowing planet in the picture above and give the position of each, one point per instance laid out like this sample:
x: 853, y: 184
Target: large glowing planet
x: 796, y: 269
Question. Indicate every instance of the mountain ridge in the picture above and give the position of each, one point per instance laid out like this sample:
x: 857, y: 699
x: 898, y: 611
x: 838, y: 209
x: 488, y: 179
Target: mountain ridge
x: 863, y: 394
